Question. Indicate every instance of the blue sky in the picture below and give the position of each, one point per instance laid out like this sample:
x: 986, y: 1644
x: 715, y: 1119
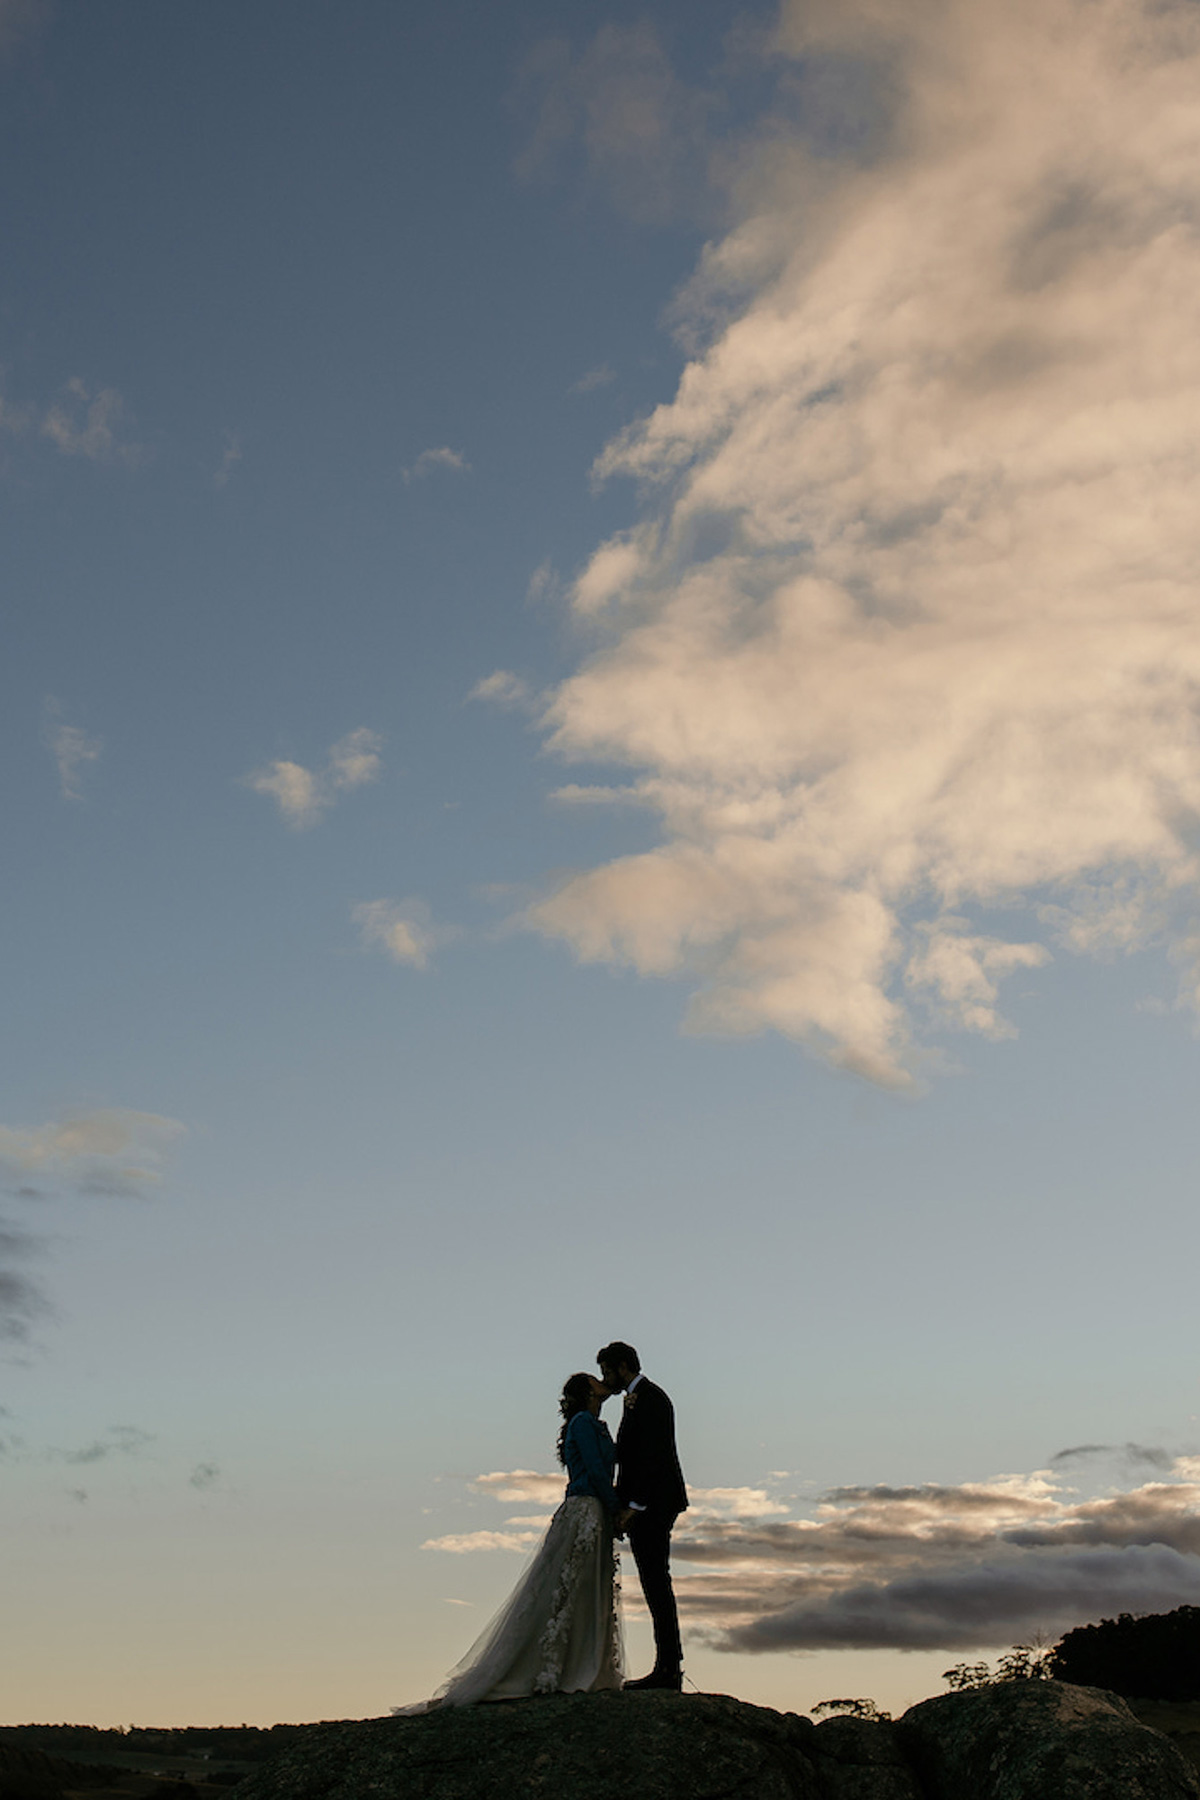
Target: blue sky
x: 599, y: 739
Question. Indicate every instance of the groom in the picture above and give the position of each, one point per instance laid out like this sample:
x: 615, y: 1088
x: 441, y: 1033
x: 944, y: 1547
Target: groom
x: 652, y: 1495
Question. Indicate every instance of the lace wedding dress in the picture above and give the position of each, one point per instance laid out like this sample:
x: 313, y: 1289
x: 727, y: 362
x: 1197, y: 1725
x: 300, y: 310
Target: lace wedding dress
x: 559, y: 1630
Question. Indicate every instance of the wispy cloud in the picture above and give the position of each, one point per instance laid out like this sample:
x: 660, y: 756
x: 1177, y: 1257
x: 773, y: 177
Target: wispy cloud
x: 230, y: 458
x: 22, y: 1301
x: 1130, y: 1454
x: 599, y: 377
x: 303, y: 795
x: 544, y: 584
x: 430, y: 461
x: 402, y: 929
x: 616, y: 114
x: 118, y: 1440
x: 71, y: 747
x: 905, y: 647
x: 106, y: 1151
x: 933, y: 1566
x: 520, y: 1487
x: 86, y: 422
x: 20, y: 22
x: 503, y: 688
x: 103, y: 1152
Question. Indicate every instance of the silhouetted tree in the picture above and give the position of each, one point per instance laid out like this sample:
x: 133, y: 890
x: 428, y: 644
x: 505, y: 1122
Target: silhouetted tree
x: 1152, y: 1658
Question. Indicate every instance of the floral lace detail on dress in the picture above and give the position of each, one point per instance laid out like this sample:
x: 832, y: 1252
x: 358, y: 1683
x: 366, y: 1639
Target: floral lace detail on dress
x: 615, y: 1647
x: 587, y: 1523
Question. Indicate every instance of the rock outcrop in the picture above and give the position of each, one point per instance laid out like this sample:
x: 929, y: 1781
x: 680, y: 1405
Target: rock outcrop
x: 1010, y: 1741
x: 1041, y: 1740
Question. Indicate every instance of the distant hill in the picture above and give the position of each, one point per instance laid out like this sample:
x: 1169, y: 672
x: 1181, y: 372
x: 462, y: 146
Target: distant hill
x: 59, y: 1762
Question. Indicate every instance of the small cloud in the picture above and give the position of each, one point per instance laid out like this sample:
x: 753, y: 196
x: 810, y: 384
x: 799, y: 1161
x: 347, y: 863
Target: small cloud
x: 575, y: 795
x: 102, y: 1152
x: 960, y: 973
x: 79, y: 1495
x: 595, y: 378
x: 616, y: 113
x: 543, y: 583
x: 21, y: 1300
x: 110, y: 1150
x: 466, y: 1542
x: 354, y: 759
x: 83, y: 423
x: 204, y: 1475
x: 230, y: 459
x: 119, y: 1440
x: 303, y: 795
x: 736, y: 1503
x: 502, y: 687
x: 1148, y: 1454
x: 447, y: 1601
x: 400, y: 928
x: 72, y: 749
x: 15, y: 419
x: 20, y: 22
x: 293, y: 788
x: 429, y: 460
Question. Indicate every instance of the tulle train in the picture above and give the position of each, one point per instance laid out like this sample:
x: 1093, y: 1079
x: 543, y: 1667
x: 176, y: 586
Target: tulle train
x: 559, y: 1630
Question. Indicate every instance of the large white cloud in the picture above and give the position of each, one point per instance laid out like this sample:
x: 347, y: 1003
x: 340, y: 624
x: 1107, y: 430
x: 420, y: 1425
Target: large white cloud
x: 908, y: 632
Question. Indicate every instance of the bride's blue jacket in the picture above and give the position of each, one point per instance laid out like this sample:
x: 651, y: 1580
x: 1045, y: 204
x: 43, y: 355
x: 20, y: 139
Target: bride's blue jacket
x: 590, y: 1457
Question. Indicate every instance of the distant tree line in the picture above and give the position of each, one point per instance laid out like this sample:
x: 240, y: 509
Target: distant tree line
x: 1156, y: 1657
x: 86, y: 1743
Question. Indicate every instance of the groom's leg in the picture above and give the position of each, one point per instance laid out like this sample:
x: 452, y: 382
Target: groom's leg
x: 650, y: 1541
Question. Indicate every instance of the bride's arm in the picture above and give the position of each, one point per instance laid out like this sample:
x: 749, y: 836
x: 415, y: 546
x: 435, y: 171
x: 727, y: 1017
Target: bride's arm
x: 586, y: 1433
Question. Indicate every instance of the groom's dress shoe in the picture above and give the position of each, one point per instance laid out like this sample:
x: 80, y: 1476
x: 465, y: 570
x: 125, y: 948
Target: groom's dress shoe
x: 670, y: 1681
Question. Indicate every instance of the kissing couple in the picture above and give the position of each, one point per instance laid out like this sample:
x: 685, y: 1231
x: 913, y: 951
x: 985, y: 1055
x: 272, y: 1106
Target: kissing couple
x: 559, y: 1631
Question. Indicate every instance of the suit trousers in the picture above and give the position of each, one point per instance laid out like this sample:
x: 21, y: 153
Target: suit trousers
x: 650, y: 1541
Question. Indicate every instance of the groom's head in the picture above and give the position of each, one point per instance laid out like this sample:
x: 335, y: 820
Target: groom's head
x: 618, y: 1365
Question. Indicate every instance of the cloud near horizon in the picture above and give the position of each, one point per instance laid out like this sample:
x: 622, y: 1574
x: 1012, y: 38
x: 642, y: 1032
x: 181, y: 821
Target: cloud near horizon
x: 903, y: 653
x: 302, y: 795
x: 979, y: 1565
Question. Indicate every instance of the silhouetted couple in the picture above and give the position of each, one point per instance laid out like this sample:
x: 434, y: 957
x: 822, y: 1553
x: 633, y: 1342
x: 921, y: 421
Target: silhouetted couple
x: 559, y: 1632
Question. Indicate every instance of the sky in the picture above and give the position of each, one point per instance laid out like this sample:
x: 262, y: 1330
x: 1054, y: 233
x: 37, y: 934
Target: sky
x: 600, y: 740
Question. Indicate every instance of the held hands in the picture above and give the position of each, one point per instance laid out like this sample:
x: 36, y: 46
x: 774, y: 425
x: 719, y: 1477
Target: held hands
x: 624, y: 1514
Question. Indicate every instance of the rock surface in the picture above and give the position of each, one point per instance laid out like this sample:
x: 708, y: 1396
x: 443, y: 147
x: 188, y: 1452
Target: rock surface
x: 1041, y: 1740
x: 1010, y: 1741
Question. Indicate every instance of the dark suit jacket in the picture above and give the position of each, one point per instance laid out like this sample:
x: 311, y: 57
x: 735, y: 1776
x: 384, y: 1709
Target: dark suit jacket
x: 648, y: 1468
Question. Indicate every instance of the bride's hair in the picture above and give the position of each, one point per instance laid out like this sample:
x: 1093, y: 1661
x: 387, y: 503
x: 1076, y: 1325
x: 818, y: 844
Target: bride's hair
x: 577, y: 1392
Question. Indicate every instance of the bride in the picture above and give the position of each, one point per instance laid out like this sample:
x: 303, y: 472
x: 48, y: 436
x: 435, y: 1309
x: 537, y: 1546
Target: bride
x: 559, y: 1630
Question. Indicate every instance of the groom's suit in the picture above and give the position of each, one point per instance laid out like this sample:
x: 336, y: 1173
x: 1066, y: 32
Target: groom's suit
x: 650, y: 1480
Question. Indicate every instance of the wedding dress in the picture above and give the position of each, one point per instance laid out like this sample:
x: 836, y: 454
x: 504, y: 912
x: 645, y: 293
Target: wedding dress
x: 559, y: 1631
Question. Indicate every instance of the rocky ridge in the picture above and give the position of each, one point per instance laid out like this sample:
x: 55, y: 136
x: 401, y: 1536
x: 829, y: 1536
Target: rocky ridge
x: 1035, y: 1740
